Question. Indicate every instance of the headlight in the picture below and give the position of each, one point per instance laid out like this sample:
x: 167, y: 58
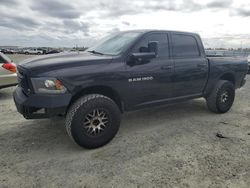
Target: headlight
x: 47, y: 85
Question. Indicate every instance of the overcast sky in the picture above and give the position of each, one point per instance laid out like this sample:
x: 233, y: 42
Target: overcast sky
x: 221, y: 23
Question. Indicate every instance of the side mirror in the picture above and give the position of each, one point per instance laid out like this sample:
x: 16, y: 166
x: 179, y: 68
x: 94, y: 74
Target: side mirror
x: 145, y: 54
x: 141, y: 58
x: 153, y: 47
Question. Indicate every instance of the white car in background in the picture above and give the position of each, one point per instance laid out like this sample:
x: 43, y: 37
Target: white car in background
x: 33, y: 51
x: 8, y: 76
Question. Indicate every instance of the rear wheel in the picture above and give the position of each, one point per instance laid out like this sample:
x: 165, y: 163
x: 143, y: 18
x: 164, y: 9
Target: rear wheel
x: 222, y: 97
x: 93, y: 120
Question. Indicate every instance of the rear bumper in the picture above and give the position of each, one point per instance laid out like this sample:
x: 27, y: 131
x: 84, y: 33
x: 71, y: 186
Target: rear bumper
x: 40, y: 106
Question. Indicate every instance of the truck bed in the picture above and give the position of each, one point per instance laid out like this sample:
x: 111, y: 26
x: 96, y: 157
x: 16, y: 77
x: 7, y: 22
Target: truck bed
x: 236, y: 67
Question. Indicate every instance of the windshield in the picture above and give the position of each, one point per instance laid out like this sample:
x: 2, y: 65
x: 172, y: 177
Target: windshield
x: 114, y: 44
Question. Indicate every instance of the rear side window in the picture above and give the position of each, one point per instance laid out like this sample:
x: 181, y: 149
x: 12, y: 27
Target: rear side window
x: 1, y: 59
x: 185, y: 46
x: 4, y: 58
x: 161, y: 38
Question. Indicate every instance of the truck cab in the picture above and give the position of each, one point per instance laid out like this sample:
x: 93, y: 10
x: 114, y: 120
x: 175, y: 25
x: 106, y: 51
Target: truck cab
x: 180, y: 68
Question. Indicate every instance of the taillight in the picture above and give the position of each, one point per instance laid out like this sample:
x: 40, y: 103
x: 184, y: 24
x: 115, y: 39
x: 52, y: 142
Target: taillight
x: 10, y: 67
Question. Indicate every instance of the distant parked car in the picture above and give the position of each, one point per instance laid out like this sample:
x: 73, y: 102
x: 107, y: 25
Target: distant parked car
x: 7, y: 51
x: 8, y: 75
x: 33, y: 51
x: 2, y: 50
x: 53, y: 52
x: 16, y: 51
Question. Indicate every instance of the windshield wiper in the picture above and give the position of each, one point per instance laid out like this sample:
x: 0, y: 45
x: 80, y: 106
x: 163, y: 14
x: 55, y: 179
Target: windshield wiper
x: 95, y: 52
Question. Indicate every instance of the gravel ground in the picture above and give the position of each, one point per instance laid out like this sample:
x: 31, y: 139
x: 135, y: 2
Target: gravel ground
x: 170, y: 146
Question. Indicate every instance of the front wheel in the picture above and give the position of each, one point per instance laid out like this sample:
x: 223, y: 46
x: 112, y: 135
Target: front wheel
x: 221, y: 98
x: 93, y: 120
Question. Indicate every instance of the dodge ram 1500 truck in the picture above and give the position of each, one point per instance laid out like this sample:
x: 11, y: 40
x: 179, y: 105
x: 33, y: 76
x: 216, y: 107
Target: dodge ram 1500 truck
x: 127, y: 71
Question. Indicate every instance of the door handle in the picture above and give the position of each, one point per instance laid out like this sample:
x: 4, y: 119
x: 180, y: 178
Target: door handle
x: 167, y: 67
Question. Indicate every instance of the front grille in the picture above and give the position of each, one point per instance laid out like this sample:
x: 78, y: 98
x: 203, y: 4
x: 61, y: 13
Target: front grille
x: 23, y: 81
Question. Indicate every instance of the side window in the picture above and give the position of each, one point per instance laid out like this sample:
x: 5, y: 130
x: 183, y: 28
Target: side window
x: 1, y: 59
x: 185, y: 46
x: 161, y: 38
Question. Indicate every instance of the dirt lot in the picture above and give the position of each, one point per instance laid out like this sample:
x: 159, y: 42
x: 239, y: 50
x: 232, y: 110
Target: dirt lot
x: 171, y: 146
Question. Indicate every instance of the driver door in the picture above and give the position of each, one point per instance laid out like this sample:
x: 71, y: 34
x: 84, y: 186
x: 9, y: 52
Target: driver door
x: 151, y: 82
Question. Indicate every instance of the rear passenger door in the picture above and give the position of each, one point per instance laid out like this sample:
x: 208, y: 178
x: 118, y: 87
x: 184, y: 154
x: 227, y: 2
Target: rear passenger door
x: 191, y: 65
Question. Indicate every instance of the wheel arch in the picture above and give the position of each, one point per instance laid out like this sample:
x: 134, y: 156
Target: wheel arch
x: 229, y: 77
x: 100, y: 89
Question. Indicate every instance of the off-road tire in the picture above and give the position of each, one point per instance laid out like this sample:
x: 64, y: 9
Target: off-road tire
x: 78, y: 112
x: 214, y: 102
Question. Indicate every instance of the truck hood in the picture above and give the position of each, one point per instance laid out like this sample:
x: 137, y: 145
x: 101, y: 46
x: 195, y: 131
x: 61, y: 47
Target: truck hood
x: 63, y: 60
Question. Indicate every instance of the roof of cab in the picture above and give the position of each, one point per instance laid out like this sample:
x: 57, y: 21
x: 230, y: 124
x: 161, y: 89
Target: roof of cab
x: 155, y: 30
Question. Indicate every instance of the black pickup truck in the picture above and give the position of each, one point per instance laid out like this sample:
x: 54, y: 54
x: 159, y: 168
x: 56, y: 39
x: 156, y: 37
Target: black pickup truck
x: 126, y: 71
